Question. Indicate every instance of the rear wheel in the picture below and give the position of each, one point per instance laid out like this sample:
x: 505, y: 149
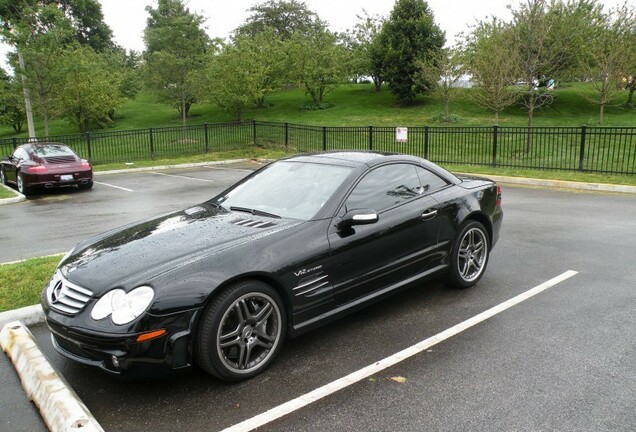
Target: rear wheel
x: 241, y: 331
x: 22, y: 187
x: 469, y: 256
x: 86, y: 185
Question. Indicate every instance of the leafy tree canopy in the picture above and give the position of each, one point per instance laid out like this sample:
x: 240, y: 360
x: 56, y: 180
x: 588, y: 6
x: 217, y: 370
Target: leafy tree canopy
x: 285, y: 17
x: 409, y: 35
x: 175, y: 48
x: 84, y: 16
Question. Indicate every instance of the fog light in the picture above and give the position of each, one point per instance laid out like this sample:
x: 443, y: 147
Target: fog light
x: 115, y: 361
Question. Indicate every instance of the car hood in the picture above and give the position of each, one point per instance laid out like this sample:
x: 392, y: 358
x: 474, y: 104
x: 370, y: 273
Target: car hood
x: 139, y: 252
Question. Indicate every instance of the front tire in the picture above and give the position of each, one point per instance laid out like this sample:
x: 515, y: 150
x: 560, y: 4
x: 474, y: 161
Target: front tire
x: 241, y: 331
x: 469, y: 256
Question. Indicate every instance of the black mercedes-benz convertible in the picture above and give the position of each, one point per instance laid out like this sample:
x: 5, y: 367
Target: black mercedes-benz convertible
x: 296, y: 244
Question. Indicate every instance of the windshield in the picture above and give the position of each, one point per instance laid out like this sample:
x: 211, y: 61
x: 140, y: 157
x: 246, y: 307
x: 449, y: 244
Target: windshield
x: 295, y: 190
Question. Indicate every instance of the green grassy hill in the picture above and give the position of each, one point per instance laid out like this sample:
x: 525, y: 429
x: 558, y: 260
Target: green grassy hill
x: 359, y: 105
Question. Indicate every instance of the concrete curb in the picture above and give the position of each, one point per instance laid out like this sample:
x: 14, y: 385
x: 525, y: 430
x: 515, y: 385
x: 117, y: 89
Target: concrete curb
x: 27, y: 315
x: 163, y: 167
x: 60, y: 407
x: 16, y: 199
x: 562, y: 184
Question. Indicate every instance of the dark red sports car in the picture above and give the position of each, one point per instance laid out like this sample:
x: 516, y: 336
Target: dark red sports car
x: 45, y: 165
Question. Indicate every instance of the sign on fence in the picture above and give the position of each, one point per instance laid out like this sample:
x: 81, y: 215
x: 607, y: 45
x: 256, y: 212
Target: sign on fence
x: 401, y: 134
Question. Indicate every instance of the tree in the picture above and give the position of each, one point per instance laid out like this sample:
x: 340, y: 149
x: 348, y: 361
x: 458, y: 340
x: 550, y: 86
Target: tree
x: 12, y: 111
x: 284, y: 17
x: 243, y: 73
x: 89, y: 90
x: 88, y: 21
x: 444, y: 69
x: 317, y: 62
x: 408, y: 36
x: 367, y: 51
x: 492, y: 65
x: 547, y: 37
x: 84, y: 16
x: 604, y: 61
x: 39, y: 30
x: 45, y: 38
x: 128, y: 65
x: 631, y: 64
x: 175, y: 50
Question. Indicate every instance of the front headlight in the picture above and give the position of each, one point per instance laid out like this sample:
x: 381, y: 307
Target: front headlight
x: 123, y: 307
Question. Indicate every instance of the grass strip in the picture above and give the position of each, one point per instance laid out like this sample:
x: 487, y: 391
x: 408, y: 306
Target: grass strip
x: 4, y: 193
x: 21, y: 283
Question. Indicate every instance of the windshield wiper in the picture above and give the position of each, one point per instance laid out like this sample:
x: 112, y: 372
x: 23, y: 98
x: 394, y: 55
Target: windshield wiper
x: 255, y: 212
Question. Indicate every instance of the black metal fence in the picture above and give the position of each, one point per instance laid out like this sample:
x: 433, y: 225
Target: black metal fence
x: 588, y: 149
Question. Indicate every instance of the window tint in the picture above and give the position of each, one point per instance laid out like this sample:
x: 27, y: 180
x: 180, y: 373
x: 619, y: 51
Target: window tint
x: 53, y: 150
x: 20, y: 153
x: 429, y: 181
x: 390, y: 185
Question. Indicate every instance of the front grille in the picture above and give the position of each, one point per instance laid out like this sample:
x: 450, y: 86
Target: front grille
x: 71, y: 348
x: 65, y: 296
x: 59, y: 159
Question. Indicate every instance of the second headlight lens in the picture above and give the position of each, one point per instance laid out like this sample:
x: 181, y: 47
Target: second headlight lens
x: 123, y: 307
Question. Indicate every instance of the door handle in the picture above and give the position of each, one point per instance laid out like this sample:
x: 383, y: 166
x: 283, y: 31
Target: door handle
x: 429, y: 214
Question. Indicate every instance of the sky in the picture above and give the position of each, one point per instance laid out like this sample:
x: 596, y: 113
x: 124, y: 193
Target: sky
x: 127, y: 18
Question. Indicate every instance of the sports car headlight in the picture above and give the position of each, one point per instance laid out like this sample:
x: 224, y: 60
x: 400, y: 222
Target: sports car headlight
x: 124, y: 307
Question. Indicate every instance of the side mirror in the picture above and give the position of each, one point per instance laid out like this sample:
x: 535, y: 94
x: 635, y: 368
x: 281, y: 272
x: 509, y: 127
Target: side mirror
x: 358, y: 217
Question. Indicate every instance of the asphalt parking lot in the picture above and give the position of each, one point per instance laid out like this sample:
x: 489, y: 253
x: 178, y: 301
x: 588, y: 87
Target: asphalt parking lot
x: 564, y: 360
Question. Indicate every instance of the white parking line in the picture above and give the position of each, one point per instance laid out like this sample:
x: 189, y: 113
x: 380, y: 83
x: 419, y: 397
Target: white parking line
x: 184, y: 177
x: 113, y: 186
x: 339, y: 384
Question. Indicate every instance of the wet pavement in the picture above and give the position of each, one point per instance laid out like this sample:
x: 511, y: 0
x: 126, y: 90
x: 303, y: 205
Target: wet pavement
x: 563, y: 360
x: 55, y: 220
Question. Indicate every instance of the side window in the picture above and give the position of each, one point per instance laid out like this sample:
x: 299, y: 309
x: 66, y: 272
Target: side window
x: 429, y: 181
x: 385, y: 187
x: 20, y: 154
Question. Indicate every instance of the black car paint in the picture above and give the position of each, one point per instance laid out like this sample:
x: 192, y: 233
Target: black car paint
x: 208, y: 251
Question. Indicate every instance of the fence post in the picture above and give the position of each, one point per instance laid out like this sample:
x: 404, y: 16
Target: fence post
x: 425, y: 142
x: 206, y: 138
x: 254, y: 131
x: 15, y: 143
x: 324, y: 138
x: 370, y: 137
x: 88, y: 145
x: 582, y: 154
x: 286, y: 137
x: 495, y: 135
x: 152, y: 144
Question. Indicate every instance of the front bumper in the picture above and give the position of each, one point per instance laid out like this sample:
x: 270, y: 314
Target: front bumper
x: 121, y: 353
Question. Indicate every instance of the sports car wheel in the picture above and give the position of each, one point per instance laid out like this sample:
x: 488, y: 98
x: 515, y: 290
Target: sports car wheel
x: 241, y: 331
x: 22, y: 188
x: 469, y: 255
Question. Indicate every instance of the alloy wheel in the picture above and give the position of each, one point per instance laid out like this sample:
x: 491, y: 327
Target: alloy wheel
x: 21, y: 187
x: 472, y: 254
x: 249, y: 333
